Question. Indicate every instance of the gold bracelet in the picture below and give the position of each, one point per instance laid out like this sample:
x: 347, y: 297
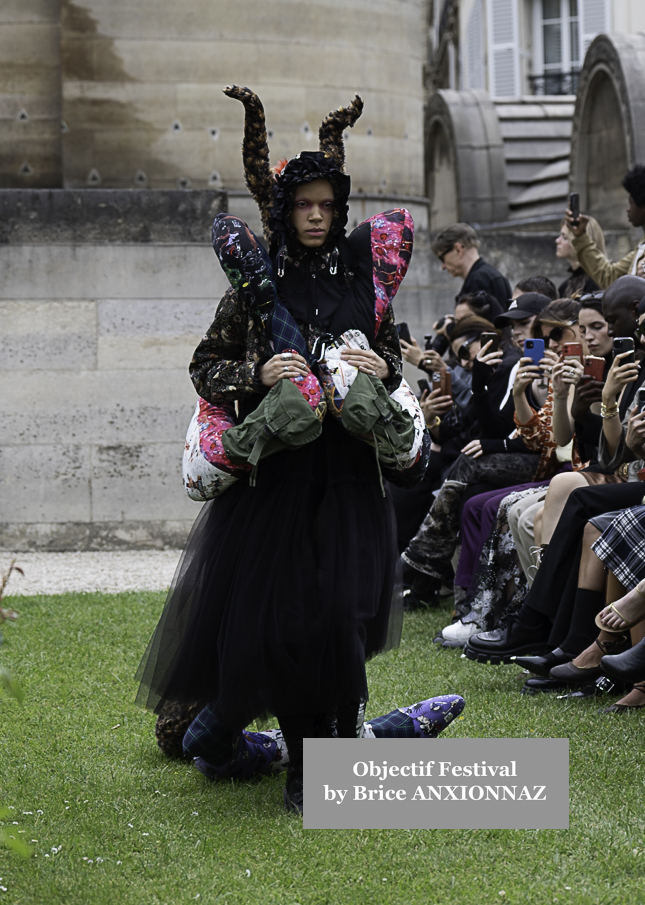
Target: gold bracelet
x: 608, y: 417
x: 436, y: 423
x: 608, y: 411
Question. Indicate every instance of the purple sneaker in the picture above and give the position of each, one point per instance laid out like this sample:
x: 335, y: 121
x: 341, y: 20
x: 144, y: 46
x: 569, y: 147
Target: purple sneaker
x: 423, y: 720
x: 432, y: 716
x: 255, y: 754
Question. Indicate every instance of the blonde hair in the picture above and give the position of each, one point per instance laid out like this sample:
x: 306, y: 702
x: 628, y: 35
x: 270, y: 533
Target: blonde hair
x: 594, y: 231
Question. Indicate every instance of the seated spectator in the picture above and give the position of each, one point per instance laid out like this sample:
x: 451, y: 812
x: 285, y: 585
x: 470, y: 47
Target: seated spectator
x: 578, y: 282
x: 542, y: 285
x: 594, y: 262
x: 620, y: 451
x: 489, y: 459
x: 585, y: 408
x: 521, y: 314
x: 481, y: 304
x: 457, y: 247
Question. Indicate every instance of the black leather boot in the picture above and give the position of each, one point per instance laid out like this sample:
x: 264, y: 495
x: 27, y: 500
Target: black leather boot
x: 626, y: 667
x: 423, y: 593
x: 507, y: 641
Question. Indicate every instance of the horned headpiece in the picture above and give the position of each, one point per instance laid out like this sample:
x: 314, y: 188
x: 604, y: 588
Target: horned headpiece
x: 271, y: 188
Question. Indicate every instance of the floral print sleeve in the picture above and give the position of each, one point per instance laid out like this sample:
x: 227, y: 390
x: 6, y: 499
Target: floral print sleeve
x: 225, y: 364
x: 388, y: 347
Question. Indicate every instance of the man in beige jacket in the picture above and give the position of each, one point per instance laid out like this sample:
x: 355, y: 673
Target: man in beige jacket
x: 591, y: 259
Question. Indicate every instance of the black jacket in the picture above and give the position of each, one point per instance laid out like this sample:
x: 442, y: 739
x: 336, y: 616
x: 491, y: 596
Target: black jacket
x: 483, y: 275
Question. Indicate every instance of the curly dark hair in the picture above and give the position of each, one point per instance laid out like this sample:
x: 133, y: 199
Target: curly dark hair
x: 634, y: 184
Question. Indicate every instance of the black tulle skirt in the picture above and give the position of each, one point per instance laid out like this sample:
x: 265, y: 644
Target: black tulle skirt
x: 283, y: 590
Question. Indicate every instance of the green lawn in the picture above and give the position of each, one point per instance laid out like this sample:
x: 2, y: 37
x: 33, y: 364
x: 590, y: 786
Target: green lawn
x: 110, y: 820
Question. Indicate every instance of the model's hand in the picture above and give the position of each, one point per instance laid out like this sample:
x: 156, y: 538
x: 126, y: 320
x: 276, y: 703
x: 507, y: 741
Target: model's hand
x: 281, y: 366
x: 434, y: 405
x: 412, y: 352
x: 566, y: 373
x: 474, y: 449
x: 367, y: 361
x: 587, y: 392
x: 635, y: 436
x: 619, y: 375
x: 577, y: 227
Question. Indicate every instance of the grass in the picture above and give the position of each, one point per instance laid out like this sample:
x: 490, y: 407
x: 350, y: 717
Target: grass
x: 110, y: 820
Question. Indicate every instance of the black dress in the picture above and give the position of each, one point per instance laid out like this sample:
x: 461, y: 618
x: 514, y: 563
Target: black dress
x: 284, y: 589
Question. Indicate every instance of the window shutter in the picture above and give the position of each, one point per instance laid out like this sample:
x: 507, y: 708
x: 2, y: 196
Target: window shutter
x: 475, y: 72
x: 503, y: 49
x: 594, y: 20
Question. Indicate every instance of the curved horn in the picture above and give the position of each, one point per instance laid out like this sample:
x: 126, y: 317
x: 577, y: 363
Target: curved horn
x: 330, y: 134
x: 255, y: 150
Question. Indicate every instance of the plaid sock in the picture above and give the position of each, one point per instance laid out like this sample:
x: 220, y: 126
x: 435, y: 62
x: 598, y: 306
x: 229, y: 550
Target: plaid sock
x: 207, y: 738
x: 393, y: 725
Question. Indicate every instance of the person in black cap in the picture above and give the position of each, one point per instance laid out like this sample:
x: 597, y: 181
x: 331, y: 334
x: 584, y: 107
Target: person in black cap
x: 520, y: 316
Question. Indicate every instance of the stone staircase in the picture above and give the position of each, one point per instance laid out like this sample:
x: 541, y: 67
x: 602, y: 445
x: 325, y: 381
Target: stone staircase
x: 536, y: 132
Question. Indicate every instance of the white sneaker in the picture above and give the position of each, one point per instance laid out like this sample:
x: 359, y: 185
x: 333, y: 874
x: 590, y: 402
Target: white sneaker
x: 459, y: 632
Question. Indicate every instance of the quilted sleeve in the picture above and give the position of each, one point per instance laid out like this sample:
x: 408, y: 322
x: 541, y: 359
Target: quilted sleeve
x: 388, y: 347
x: 391, y: 239
x: 225, y: 364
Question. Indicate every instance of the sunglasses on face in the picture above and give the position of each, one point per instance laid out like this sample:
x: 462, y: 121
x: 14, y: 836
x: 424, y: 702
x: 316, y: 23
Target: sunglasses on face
x: 463, y: 353
x: 557, y: 333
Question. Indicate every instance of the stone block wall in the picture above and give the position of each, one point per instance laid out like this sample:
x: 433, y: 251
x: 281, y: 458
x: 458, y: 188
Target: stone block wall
x: 103, y: 297
x: 104, y: 294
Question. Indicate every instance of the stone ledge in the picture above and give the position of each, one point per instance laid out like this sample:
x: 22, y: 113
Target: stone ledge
x: 95, y: 536
x: 97, y: 216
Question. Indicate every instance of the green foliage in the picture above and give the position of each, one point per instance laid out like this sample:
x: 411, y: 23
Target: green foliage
x: 111, y: 820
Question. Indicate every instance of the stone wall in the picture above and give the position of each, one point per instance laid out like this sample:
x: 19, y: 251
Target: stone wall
x: 104, y: 294
x: 30, y: 94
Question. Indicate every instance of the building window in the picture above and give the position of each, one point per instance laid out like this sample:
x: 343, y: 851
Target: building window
x: 563, y: 30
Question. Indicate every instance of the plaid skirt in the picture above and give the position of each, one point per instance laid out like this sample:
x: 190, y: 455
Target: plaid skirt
x: 621, y: 546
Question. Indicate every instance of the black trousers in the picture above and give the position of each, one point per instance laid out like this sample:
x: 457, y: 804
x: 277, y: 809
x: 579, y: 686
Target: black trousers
x: 554, y: 589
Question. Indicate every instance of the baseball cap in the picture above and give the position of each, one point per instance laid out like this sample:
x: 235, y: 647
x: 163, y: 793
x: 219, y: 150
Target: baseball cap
x: 527, y: 305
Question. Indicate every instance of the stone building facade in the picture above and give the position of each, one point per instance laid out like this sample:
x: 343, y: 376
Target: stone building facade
x: 117, y: 147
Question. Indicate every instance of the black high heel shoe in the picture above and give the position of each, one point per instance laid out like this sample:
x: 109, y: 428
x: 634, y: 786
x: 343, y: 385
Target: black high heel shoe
x: 575, y: 675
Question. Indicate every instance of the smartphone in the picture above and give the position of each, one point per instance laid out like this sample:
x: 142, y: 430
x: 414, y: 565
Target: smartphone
x: 404, y: 332
x: 534, y: 349
x: 424, y: 385
x: 572, y: 350
x: 640, y: 399
x: 595, y: 367
x: 490, y: 337
x: 445, y: 382
x: 574, y: 206
x: 624, y: 344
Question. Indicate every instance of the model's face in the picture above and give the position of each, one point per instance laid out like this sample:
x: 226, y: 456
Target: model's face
x: 452, y: 261
x: 593, y: 329
x: 635, y: 214
x: 313, y: 212
x: 563, y: 246
x: 521, y: 330
x: 465, y: 351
